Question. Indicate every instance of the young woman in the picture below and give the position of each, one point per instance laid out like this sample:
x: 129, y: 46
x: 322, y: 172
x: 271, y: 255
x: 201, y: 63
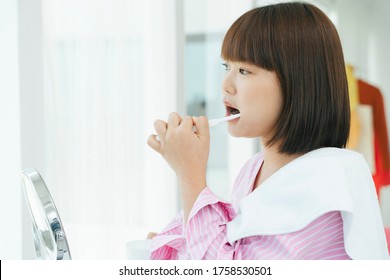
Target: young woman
x: 304, y: 196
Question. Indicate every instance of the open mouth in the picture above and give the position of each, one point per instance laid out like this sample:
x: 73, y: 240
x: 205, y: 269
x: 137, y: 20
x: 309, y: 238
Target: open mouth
x: 231, y: 111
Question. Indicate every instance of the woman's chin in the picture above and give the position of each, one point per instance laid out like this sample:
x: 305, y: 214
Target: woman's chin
x: 234, y: 132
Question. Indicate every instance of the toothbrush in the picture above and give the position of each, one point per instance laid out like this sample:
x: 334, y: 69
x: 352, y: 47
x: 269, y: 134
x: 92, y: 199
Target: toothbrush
x: 215, y: 122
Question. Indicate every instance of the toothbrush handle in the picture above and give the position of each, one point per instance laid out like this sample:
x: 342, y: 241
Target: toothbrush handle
x: 214, y: 122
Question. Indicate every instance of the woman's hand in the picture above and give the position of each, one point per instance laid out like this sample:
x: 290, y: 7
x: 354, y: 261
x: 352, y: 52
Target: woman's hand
x: 185, y: 151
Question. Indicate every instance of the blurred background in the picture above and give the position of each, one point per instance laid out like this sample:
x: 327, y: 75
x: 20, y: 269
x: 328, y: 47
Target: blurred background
x: 81, y: 82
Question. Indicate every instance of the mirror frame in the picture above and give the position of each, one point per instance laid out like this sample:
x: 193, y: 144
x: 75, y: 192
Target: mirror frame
x: 49, y: 236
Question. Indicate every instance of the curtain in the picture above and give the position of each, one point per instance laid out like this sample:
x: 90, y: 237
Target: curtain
x: 110, y: 69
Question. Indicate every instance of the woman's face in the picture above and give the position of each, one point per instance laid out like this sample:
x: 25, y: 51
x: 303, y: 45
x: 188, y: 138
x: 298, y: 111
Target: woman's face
x: 256, y: 94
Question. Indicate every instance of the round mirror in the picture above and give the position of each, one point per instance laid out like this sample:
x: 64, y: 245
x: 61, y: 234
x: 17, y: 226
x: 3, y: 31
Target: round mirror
x: 49, y: 235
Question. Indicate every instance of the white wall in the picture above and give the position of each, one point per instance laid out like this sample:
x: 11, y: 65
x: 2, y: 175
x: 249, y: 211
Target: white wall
x: 10, y: 190
x: 208, y: 17
x: 21, y: 117
x: 31, y: 102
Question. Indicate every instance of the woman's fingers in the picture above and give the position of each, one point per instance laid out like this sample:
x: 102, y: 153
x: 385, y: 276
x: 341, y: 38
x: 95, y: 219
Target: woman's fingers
x: 187, y: 123
x: 202, y: 125
x: 151, y: 235
x: 174, y: 120
x: 177, y: 128
x: 154, y: 143
x: 160, y: 127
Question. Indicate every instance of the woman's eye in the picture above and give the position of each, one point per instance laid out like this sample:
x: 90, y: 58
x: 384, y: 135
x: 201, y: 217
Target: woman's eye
x: 225, y: 66
x: 244, y: 72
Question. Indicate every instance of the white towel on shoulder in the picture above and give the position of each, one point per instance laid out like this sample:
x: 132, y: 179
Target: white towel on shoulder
x: 324, y: 180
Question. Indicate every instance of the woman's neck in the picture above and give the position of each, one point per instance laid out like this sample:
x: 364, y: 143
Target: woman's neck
x: 273, y: 161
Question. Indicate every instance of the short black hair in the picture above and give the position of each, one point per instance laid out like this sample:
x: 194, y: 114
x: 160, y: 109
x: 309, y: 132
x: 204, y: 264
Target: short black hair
x: 300, y: 43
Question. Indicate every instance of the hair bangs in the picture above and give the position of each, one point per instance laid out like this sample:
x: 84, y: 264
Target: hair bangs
x: 249, y: 40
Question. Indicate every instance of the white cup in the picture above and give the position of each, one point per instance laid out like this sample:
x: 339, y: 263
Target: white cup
x: 139, y: 249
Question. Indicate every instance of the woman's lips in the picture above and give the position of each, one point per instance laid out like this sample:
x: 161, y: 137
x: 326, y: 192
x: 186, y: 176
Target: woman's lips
x: 230, y: 108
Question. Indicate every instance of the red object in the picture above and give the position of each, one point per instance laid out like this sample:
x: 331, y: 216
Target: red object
x: 371, y: 95
x: 387, y: 231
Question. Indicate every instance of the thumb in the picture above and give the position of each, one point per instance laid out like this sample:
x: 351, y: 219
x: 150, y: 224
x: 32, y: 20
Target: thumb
x: 151, y: 235
x: 202, y: 125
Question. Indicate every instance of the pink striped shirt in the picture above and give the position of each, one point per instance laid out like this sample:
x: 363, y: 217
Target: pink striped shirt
x: 204, y: 235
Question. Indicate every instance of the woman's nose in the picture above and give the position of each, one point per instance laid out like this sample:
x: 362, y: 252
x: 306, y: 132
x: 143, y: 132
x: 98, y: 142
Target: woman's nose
x: 228, y: 84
